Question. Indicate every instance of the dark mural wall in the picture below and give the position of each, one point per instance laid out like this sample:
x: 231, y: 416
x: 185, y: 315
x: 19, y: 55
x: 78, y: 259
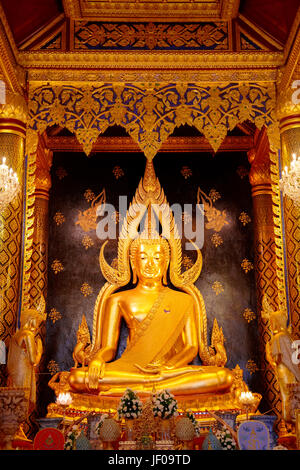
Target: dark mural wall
x: 227, y: 278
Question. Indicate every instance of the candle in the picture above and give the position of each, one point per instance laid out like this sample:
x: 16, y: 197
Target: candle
x: 247, y: 398
x: 64, y: 399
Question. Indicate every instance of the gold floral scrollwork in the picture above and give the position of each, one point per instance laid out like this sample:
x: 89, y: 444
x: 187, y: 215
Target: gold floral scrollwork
x: 215, y: 219
x: 247, y: 265
x: 87, y: 242
x: 218, y: 287
x: 86, y: 289
x: 57, y: 266
x: 217, y: 240
x: 53, y: 367
x: 251, y: 366
x: 148, y: 36
x: 87, y: 219
x: 244, y: 218
x: 151, y: 114
x: 54, y: 315
x: 59, y: 218
x: 118, y: 172
x: 249, y: 315
x: 89, y: 195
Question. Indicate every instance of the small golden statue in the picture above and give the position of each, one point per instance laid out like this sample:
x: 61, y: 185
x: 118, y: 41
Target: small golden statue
x: 25, y: 351
x: 279, y: 353
x: 167, y: 326
x: 59, y: 382
x: 83, y: 346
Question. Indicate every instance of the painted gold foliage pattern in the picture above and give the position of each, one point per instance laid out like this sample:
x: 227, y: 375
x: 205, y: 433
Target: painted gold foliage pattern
x: 53, y: 367
x: 251, y: 366
x: 249, y: 315
x: 59, y: 218
x: 89, y: 195
x: 87, y: 219
x: 187, y: 262
x: 247, y: 265
x: 215, y: 219
x: 118, y: 172
x: 214, y: 195
x: 54, y: 315
x: 86, y: 289
x: 149, y: 36
x: 186, y: 172
x: 217, y: 240
x: 244, y: 218
x: 150, y: 115
x: 57, y: 266
x: 218, y: 287
x: 87, y: 242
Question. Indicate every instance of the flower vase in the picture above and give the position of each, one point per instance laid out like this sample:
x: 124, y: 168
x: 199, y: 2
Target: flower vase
x: 129, y: 432
x: 165, y: 430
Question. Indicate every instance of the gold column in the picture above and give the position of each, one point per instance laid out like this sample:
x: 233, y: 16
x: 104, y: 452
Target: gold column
x: 289, y: 116
x: 39, y: 259
x: 13, y: 116
x: 265, y: 256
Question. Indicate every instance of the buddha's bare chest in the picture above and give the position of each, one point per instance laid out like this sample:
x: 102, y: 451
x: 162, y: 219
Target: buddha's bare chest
x: 137, y: 308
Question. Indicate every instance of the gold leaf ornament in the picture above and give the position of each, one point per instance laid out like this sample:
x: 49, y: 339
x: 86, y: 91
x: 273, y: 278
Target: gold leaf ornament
x: 86, y: 289
x: 247, y: 265
x: 57, y: 266
x: 218, y: 287
x: 249, y: 315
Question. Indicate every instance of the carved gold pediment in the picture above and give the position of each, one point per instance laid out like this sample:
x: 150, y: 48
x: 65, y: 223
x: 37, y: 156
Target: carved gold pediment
x: 151, y: 10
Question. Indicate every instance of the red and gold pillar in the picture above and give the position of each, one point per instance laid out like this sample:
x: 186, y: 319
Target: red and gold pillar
x: 289, y: 121
x: 13, y: 116
x: 265, y: 257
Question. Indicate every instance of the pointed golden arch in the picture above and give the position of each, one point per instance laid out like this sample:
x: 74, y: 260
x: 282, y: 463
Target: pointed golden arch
x: 149, y: 114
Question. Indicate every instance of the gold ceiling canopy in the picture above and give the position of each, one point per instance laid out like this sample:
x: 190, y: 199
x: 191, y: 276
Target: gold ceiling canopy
x: 151, y: 10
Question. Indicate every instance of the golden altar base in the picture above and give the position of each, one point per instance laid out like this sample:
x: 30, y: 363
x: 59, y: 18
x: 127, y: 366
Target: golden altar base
x: 200, y: 405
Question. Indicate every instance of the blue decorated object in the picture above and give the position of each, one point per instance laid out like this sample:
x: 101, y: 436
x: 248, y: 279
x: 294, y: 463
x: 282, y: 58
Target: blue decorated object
x: 269, y: 421
x: 253, y: 435
x: 211, y: 442
x: 228, y: 417
x: 82, y: 442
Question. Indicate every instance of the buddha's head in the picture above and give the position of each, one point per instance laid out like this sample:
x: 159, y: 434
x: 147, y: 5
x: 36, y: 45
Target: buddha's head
x: 149, y: 258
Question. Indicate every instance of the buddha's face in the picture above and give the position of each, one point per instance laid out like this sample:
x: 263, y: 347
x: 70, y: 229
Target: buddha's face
x: 150, y: 262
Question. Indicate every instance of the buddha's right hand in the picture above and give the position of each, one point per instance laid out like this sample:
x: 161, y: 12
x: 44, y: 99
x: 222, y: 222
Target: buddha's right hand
x: 96, y: 371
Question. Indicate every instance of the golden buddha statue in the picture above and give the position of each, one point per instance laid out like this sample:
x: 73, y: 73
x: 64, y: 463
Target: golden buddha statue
x: 279, y: 353
x: 167, y: 326
x: 25, y: 351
